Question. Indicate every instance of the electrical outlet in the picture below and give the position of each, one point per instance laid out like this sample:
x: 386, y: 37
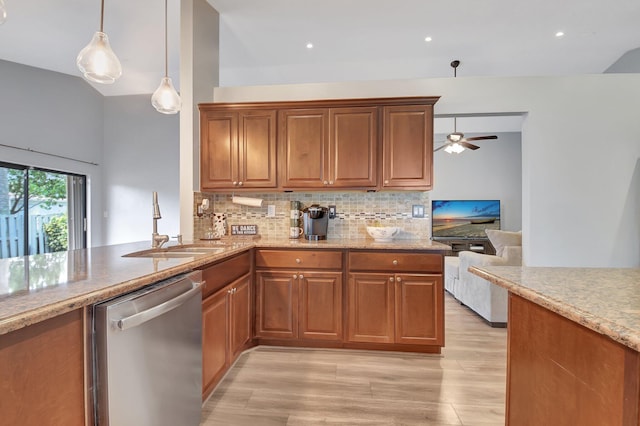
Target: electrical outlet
x: 271, y: 210
x: 332, y: 212
x: 418, y: 211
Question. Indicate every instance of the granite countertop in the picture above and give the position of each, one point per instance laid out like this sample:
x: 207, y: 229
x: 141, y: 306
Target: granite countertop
x: 605, y: 300
x: 39, y: 287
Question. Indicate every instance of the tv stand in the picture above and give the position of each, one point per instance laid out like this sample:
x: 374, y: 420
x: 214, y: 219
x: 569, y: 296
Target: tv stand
x: 478, y: 245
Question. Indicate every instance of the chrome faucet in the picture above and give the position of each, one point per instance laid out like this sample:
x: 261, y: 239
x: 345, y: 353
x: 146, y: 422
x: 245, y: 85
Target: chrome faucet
x: 157, y: 240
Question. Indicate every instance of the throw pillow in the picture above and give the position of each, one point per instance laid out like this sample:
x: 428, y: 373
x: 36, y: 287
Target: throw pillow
x: 501, y: 239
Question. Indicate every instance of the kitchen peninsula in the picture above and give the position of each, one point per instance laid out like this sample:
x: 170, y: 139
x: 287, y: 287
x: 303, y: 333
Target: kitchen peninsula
x: 45, y: 305
x: 573, y: 345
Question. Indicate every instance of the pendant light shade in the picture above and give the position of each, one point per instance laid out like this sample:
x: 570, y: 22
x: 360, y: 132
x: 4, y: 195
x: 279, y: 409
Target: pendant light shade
x: 3, y: 12
x: 96, y: 61
x: 165, y: 99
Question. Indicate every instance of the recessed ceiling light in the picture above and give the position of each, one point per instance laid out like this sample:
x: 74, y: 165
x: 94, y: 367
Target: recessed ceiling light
x: 309, y: 45
x: 428, y: 39
x: 559, y: 34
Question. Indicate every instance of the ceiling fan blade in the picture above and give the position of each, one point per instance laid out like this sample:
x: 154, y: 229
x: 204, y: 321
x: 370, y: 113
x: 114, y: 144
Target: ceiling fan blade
x: 481, y: 138
x: 469, y: 145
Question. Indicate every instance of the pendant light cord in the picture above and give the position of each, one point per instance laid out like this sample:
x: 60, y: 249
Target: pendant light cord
x: 166, y: 49
x: 102, y: 16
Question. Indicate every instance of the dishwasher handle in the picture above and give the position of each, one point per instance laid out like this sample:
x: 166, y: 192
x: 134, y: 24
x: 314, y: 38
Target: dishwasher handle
x: 151, y: 313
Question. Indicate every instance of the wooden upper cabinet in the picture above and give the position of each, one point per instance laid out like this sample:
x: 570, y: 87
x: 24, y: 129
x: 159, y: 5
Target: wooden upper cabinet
x: 329, y: 147
x: 407, y: 159
x: 237, y: 149
x: 367, y: 144
x: 304, y: 147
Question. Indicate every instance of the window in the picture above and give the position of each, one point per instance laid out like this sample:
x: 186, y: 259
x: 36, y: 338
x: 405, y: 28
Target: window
x: 41, y: 211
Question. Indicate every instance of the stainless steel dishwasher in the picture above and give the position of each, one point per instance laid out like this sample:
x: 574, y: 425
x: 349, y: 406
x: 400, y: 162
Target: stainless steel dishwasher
x: 148, y: 355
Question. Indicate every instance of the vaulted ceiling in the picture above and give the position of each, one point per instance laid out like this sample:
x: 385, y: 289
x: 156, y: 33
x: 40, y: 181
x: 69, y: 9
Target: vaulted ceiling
x: 265, y: 41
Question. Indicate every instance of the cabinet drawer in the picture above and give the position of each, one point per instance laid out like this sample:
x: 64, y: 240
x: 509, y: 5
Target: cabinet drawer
x: 395, y: 262
x: 315, y: 259
x: 217, y: 276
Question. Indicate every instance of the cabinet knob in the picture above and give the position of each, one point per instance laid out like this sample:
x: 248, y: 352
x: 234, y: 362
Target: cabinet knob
x: 395, y: 263
x: 301, y: 277
x: 295, y: 277
x: 240, y: 183
x: 298, y: 260
x: 391, y: 279
x: 330, y: 182
x: 235, y: 183
x: 399, y: 279
x: 236, y: 289
x: 325, y: 182
x: 229, y: 291
x: 386, y: 182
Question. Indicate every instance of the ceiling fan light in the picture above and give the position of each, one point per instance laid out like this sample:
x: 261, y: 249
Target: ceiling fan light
x: 165, y: 99
x: 97, y: 62
x: 454, y: 148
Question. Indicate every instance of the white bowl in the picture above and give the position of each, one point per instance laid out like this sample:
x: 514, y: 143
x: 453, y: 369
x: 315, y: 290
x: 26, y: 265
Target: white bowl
x: 383, y: 233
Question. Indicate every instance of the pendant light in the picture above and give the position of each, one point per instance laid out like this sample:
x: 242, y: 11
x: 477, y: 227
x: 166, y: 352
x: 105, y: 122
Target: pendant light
x: 165, y: 99
x: 96, y: 61
x: 3, y: 12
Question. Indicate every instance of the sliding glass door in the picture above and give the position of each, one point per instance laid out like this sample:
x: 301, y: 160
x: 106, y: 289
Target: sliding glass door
x: 41, y: 211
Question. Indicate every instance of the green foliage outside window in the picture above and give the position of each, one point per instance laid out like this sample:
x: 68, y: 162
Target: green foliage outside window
x: 56, y: 232
x: 45, y: 189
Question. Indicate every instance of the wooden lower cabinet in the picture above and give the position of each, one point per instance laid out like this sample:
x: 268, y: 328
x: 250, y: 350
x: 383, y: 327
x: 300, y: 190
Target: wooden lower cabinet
x: 296, y: 305
x: 42, y: 373
x: 371, y: 308
x: 226, y: 317
x: 226, y: 330
x: 215, y: 326
x: 397, y: 308
x: 561, y: 373
x: 396, y: 298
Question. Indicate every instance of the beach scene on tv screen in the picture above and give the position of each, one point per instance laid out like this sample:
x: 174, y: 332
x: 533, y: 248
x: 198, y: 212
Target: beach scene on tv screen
x: 464, y: 218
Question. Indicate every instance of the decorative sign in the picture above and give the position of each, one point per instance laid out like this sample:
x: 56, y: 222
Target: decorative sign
x: 244, y: 229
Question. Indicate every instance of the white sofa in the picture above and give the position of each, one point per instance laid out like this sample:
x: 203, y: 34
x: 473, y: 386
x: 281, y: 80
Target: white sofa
x: 486, y: 299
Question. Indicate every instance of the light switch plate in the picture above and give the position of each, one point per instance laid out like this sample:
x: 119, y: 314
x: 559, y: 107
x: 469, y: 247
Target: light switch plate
x: 418, y: 211
x: 271, y: 210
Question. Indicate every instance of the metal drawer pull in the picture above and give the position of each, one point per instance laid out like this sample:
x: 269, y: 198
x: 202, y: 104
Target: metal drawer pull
x: 301, y: 277
x: 295, y: 277
x: 395, y: 262
x: 391, y: 279
x: 298, y: 260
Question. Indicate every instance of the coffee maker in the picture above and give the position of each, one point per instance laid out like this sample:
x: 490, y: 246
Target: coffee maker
x: 315, y: 220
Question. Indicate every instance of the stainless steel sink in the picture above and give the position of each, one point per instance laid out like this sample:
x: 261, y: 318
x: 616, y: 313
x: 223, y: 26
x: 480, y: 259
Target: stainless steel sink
x: 178, y: 251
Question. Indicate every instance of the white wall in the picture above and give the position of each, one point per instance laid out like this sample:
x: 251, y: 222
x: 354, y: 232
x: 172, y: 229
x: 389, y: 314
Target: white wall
x: 141, y: 151
x: 199, y: 69
x: 580, y: 151
x: 57, y: 114
x: 493, y: 172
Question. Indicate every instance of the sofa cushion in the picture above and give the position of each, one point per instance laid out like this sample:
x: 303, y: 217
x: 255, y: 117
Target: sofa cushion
x: 501, y: 239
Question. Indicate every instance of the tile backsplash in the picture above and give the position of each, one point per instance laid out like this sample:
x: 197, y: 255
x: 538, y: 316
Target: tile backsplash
x: 355, y: 210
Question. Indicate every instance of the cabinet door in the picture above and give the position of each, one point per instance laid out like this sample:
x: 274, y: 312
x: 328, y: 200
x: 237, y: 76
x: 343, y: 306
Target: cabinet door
x: 304, y: 149
x: 419, y: 309
x: 371, y: 306
x: 320, y: 305
x: 240, y: 307
x: 353, y: 147
x: 215, y: 355
x: 276, y: 305
x: 408, y: 147
x: 218, y: 150
x: 257, y: 149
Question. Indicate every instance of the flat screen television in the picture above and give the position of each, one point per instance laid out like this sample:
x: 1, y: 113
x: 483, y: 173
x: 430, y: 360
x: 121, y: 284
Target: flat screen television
x: 465, y: 219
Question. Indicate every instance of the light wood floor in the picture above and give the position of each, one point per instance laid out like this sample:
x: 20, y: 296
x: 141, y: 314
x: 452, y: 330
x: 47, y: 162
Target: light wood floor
x: 282, y: 386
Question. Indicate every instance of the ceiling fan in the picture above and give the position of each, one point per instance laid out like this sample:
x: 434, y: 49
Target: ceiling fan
x: 456, y: 142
